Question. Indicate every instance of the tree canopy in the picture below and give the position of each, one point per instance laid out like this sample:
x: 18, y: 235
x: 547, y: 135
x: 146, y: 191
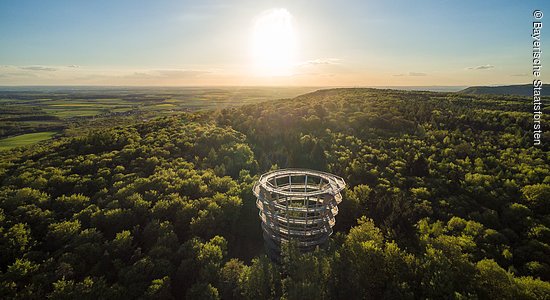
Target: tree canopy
x: 447, y: 198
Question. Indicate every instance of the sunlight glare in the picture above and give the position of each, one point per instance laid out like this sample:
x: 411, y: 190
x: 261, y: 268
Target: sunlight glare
x: 274, y: 43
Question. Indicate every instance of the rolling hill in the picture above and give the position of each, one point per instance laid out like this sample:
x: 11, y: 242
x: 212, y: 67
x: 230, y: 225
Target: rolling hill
x: 520, y: 90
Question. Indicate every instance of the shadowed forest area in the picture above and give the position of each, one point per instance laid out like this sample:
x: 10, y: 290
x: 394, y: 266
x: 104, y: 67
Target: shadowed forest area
x: 446, y: 199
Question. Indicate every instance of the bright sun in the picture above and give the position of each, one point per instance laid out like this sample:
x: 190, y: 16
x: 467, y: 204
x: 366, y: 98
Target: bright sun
x: 274, y: 43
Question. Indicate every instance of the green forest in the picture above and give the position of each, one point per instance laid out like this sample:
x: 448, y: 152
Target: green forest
x: 447, y: 198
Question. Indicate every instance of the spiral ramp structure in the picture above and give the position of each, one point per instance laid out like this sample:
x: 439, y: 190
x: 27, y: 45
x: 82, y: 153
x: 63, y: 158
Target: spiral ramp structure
x: 298, y: 205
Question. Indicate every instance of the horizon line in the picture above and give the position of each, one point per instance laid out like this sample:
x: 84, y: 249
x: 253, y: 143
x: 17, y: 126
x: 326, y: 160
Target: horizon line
x: 253, y: 86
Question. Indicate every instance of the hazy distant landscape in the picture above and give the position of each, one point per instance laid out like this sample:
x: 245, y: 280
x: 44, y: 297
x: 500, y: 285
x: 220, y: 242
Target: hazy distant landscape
x: 27, y: 111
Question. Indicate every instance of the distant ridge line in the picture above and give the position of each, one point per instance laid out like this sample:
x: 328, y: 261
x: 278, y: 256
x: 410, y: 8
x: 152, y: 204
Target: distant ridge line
x: 518, y: 89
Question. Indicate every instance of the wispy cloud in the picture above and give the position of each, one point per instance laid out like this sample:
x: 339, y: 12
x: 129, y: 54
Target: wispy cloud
x: 167, y: 74
x: 413, y: 74
x: 38, y: 68
x: 323, y: 61
x: 75, y: 74
x: 18, y: 75
x: 482, y: 67
x: 182, y: 73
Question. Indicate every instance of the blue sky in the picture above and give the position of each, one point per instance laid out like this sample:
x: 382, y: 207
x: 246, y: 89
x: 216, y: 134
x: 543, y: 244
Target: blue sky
x: 339, y: 43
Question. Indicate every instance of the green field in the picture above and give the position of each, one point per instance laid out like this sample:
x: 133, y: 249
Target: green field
x: 28, y: 110
x: 25, y: 139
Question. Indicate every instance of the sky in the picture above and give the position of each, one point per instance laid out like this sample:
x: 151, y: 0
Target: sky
x: 264, y: 43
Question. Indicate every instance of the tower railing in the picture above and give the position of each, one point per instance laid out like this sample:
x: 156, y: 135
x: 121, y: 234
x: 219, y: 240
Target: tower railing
x: 298, y: 205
